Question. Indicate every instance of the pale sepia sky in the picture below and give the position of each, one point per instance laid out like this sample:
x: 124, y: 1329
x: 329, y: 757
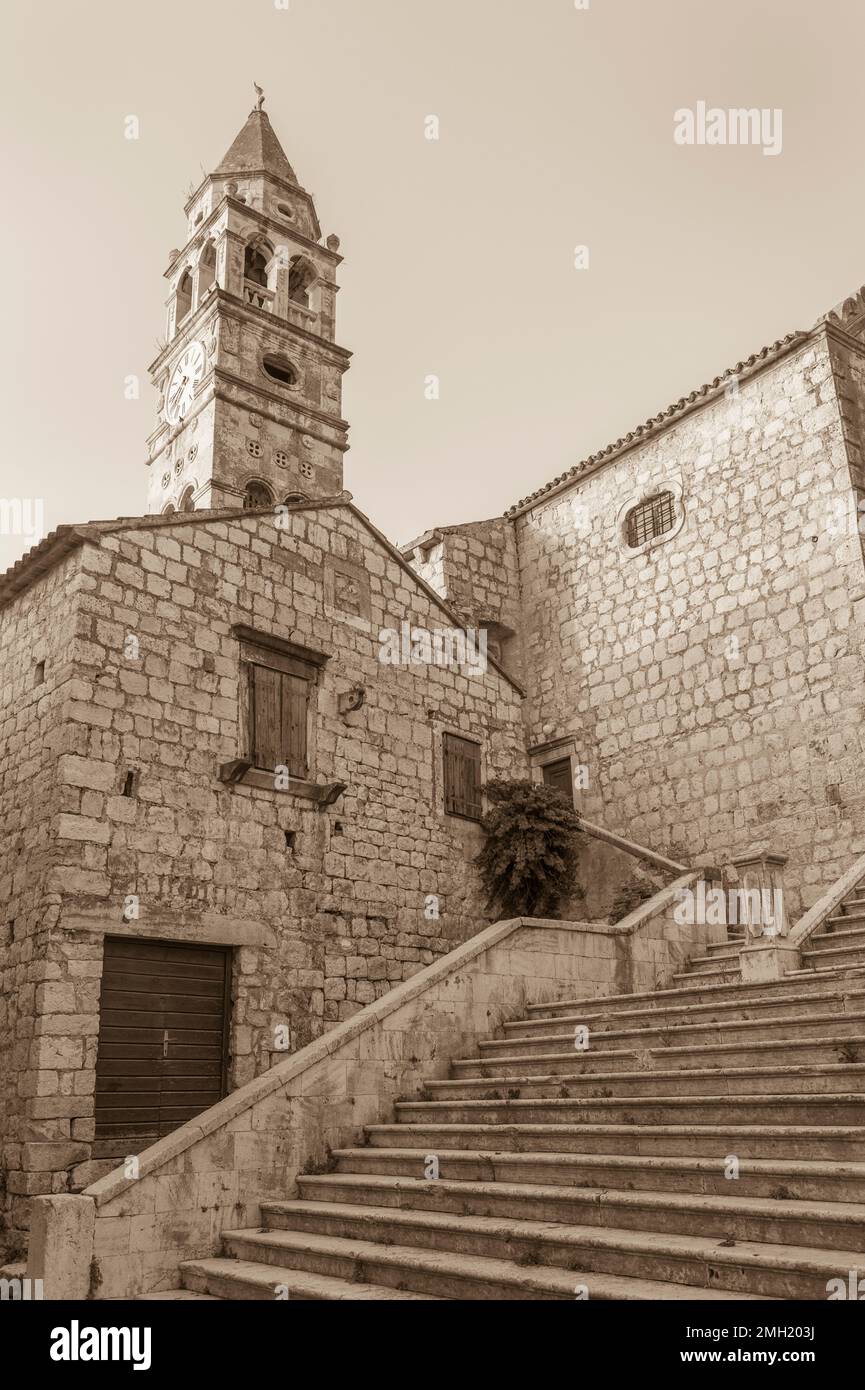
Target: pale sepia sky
x: 556, y: 130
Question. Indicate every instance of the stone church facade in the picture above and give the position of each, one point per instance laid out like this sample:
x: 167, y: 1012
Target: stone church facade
x: 229, y: 823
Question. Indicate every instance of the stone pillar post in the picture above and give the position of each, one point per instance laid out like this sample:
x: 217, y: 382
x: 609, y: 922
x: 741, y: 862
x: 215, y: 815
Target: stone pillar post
x: 761, y: 911
x: 761, y: 907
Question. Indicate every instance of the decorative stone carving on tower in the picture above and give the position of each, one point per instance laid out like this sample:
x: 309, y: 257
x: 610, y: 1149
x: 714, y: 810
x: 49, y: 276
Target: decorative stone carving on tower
x: 250, y: 377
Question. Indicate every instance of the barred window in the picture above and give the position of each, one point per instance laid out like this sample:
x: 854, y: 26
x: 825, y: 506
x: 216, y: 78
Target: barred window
x: 650, y: 519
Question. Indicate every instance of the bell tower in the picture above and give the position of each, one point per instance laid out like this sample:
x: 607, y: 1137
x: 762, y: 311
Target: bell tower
x: 250, y: 376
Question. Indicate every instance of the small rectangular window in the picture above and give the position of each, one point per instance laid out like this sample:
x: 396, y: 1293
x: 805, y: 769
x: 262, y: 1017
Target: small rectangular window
x: 462, y: 777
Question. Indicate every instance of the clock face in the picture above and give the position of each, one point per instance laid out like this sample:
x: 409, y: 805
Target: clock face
x: 184, y: 379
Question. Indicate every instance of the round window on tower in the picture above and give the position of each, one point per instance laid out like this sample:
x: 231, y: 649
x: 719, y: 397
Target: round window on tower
x: 279, y: 369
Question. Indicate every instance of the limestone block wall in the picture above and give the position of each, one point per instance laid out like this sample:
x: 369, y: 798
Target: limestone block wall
x: 376, y: 885
x: 475, y: 567
x: 40, y: 1042
x: 714, y: 680
x: 279, y: 456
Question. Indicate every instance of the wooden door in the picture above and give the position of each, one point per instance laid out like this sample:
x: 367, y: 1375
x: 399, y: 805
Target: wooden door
x: 163, y: 1034
x: 558, y: 777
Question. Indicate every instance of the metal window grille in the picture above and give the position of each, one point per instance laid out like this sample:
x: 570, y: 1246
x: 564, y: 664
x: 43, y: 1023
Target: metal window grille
x: 650, y: 519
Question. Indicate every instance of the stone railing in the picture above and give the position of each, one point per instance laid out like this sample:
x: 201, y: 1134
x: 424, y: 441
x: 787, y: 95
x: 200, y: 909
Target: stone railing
x: 631, y: 847
x: 129, y: 1232
x: 259, y: 296
x: 826, y: 905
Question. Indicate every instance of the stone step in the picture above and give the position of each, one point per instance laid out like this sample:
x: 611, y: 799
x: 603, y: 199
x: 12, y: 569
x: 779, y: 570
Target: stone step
x: 723, y: 948
x: 248, y: 1279
x: 796, y: 1180
x: 177, y: 1296
x: 724, y: 973
x: 841, y: 1143
x: 853, y: 903
x: 818, y: 975
x: 710, y: 965
x: 445, y: 1273
x: 841, y: 936
x: 791, y: 1272
x: 710, y: 1031
x: 652, y: 1109
x: 836, y: 955
x: 826, y: 1050
x: 831, y: 999
x: 661, y: 998
x: 817, y: 1225
x: 725, y: 953
x: 804, y: 1079
x: 847, y: 918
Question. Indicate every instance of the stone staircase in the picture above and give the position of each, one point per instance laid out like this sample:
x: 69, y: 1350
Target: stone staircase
x: 602, y: 1173
x: 838, y: 945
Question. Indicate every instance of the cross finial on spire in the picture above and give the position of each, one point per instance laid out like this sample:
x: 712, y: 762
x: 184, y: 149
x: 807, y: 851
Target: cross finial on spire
x: 260, y: 94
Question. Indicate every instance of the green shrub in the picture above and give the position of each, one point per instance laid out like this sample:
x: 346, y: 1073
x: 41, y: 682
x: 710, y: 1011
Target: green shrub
x: 528, y: 864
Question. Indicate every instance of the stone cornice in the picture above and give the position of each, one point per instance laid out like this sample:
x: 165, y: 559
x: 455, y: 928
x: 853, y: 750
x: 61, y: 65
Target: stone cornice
x: 223, y: 179
x: 222, y: 374
x: 201, y: 232
x: 203, y: 398
x: 218, y: 297
x: 839, y: 335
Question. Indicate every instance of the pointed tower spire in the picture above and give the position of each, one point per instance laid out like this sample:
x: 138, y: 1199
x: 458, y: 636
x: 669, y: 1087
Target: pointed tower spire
x: 257, y: 150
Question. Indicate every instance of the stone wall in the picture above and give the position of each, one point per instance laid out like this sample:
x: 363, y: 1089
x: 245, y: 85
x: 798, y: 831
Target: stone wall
x: 714, y: 680
x: 40, y: 1044
x: 377, y: 884
x: 475, y: 568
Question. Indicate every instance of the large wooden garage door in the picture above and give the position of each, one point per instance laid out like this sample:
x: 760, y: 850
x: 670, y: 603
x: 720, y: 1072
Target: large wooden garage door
x: 163, y: 1029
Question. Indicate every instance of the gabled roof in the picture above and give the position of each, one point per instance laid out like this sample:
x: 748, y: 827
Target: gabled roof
x: 256, y: 147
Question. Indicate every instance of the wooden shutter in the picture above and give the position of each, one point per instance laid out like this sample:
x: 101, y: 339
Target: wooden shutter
x: 265, y: 706
x: 462, y: 777
x: 295, y: 698
x: 558, y: 777
x: 278, y: 702
x: 163, y: 1028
